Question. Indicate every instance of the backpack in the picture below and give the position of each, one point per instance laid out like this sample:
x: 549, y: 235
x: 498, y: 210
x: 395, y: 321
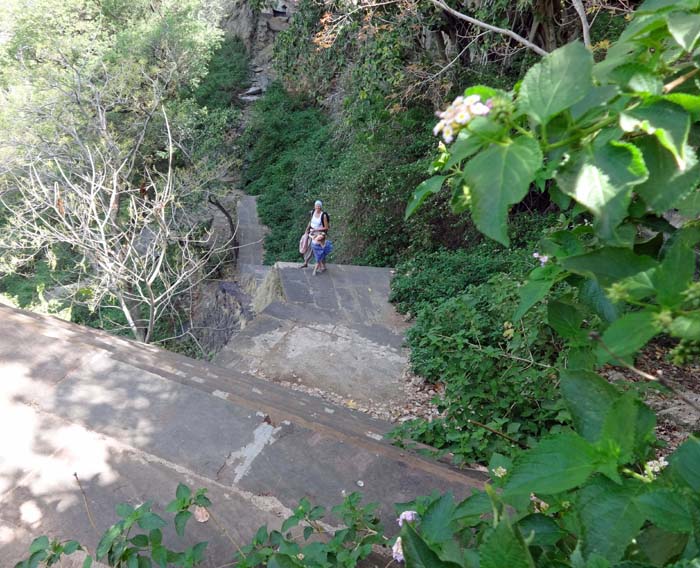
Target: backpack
x: 327, y: 217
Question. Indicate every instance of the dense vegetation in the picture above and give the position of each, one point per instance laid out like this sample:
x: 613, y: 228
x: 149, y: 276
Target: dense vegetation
x: 113, y: 123
x: 606, y: 137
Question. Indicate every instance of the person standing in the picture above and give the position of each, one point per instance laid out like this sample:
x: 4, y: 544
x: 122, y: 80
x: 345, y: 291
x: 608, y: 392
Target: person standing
x: 319, y: 223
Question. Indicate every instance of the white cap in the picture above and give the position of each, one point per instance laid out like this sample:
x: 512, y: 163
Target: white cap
x: 318, y: 203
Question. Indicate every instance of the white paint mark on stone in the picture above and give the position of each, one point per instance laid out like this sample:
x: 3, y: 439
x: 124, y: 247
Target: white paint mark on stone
x: 263, y: 435
x: 373, y: 435
x: 220, y: 394
x: 257, y: 391
x: 329, y: 410
x: 197, y: 379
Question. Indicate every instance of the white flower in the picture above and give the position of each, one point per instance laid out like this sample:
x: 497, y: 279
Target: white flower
x: 656, y: 466
x: 397, y: 550
x: 407, y: 516
x: 463, y: 116
x: 438, y: 127
x: 479, y: 109
x: 500, y: 471
x: 448, y: 134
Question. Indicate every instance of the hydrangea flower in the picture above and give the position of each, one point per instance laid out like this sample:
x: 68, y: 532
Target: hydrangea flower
x: 397, y: 550
x: 459, y: 114
x: 407, y: 516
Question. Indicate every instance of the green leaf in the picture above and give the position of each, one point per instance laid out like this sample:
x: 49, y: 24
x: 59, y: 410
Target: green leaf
x: 639, y: 78
x: 124, y: 510
x: 39, y: 543
x: 566, y: 320
x: 540, y: 530
x: 560, y: 80
x: 660, y: 5
x: 181, y: 521
x: 686, y: 327
x: 557, y: 463
x: 151, y: 521
x: 690, y: 103
x: 589, y: 398
x: 473, y: 507
x: 145, y: 562
x: 627, y: 335
x: 677, y: 269
x: 596, y: 98
x: 608, y: 264
x: 71, y: 546
x: 689, y: 206
x: 140, y: 540
x: 198, y: 551
x: 292, y: 521
x: 462, y: 148
x: 618, y: 433
x: 160, y: 556
x: 531, y: 293
x: 497, y: 178
x: 685, y: 28
x: 182, y: 492
x: 609, y: 517
x: 484, y: 91
x: 417, y: 552
x: 308, y: 531
x: 428, y: 187
x: 592, y: 295
x: 684, y: 465
x: 661, y: 548
x: 87, y: 563
x: 260, y: 535
x: 667, y: 509
x: 107, y: 539
x: 667, y: 184
x: 504, y: 547
x: 281, y: 561
x: 435, y: 523
x: 601, y: 179
x: 669, y: 122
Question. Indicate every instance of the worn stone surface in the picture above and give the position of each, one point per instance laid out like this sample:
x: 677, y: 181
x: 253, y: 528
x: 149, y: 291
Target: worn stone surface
x: 334, y: 331
x: 132, y: 421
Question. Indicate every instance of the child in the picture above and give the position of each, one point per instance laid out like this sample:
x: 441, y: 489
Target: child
x: 322, y: 247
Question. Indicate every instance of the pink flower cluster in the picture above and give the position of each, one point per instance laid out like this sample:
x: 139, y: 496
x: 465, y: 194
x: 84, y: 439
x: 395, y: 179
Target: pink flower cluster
x: 397, y: 549
x: 458, y: 115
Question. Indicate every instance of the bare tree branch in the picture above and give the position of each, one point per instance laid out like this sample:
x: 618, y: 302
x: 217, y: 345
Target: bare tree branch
x: 520, y: 39
x: 585, y: 27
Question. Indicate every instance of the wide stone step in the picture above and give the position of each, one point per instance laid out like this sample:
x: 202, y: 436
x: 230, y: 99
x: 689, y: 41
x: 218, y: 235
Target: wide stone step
x: 132, y: 421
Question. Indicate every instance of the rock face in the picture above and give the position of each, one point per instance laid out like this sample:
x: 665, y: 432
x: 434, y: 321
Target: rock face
x: 257, y: 30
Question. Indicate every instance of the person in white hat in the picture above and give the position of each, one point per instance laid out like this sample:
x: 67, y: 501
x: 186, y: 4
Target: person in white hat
x: 319, y: 223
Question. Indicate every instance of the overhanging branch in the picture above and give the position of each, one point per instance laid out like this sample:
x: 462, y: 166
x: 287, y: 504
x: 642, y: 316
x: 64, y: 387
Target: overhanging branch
x: 520, y: 39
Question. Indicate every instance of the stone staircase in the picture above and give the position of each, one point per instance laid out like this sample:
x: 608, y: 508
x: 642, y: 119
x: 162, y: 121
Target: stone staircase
x: 132, y: 421
x: 333, y: 332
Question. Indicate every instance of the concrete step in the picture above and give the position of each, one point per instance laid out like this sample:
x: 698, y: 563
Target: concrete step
x: 132, y: 421
x: 333, y: 331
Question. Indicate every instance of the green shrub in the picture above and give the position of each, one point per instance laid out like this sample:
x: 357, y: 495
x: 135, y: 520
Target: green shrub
x: 494, y: 371
x: 436, y: 276
x: 226, y: 77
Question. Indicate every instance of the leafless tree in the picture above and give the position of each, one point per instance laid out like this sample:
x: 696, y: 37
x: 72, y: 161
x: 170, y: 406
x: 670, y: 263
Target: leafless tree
x: 138, y: 244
